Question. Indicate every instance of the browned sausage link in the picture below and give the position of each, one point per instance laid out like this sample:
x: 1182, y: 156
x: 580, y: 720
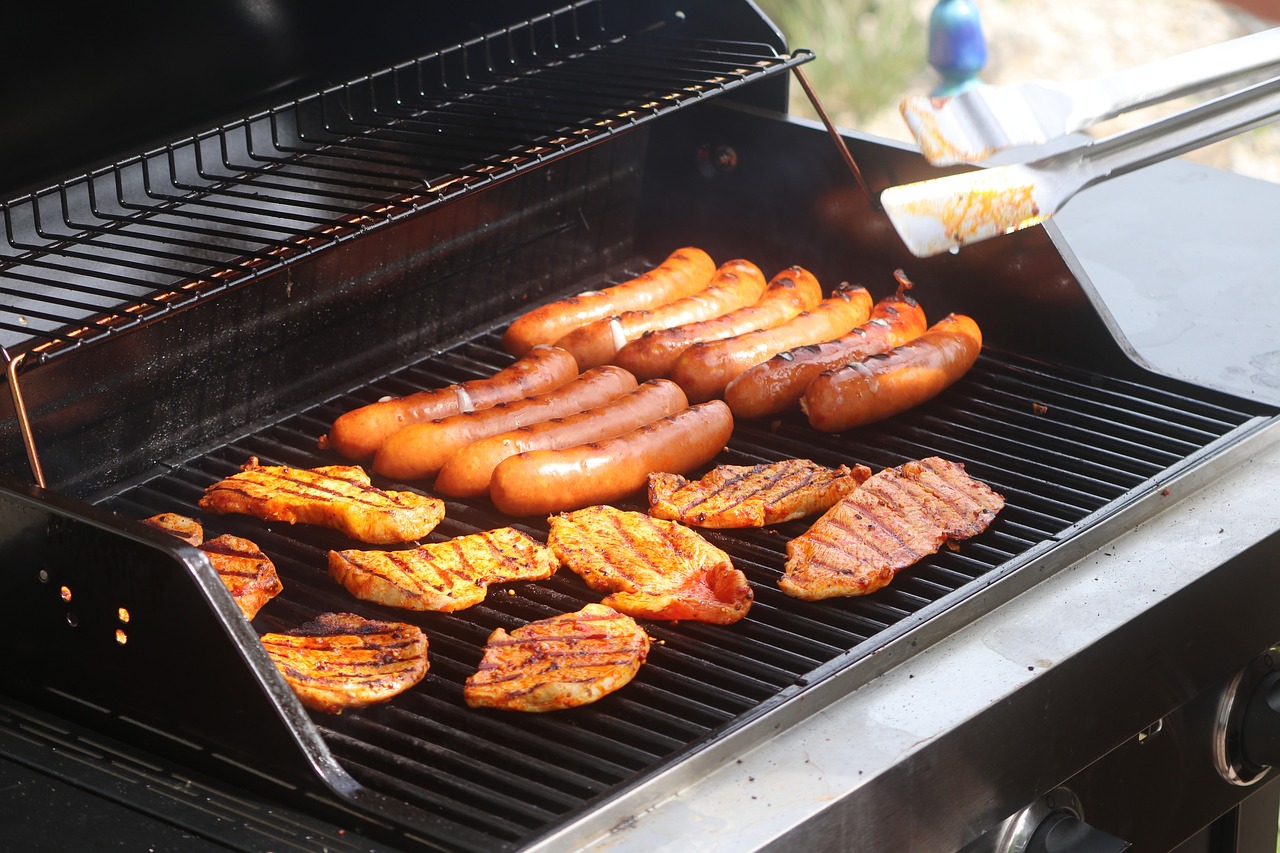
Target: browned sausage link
x: 735, y: 285
x: 883, y: 385
x: 703, y: 370
x: 546, y: 481
x: 685, y: 271
x: 468, y: 472
x: 420, y: 450
x: 654, y: 353
x: 359, y: 433
x: 776, y: 385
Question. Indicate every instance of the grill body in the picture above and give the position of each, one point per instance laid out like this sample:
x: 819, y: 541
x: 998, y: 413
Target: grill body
x: 139, y: 404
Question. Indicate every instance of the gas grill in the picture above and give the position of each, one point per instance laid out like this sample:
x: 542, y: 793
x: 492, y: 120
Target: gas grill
x: 310, y: 243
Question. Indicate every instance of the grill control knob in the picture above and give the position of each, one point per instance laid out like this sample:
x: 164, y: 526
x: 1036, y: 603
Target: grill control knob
x: 1246, y: 731
x: 1063, y: 832
x: 1053, y: 824
x: 1260, y: 728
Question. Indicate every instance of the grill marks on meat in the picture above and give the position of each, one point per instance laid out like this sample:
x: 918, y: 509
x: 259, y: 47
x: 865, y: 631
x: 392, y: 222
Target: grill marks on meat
x: 443, y: 576
x: 654, y: 569
x: 561, y: 662
x: 752, y: 495
x: 249, y: 574
x: 891, y: 521
x: 337, y: 496
x: 341, y: 660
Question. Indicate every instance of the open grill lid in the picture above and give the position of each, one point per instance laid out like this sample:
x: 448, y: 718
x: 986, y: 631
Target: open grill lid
x: 158, y: 231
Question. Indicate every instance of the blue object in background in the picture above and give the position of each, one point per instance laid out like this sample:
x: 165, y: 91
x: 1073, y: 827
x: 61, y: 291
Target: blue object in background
x: 957, y: 47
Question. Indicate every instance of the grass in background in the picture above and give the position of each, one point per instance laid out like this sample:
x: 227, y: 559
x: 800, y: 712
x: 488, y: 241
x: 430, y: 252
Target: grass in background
x: 868, y: 52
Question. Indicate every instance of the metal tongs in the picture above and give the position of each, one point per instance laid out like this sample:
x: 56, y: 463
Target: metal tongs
x: 942, y: 214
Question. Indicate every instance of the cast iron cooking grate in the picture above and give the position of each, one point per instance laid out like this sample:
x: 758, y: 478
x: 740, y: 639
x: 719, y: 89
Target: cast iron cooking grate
x: 159, y: 231
x: 1058, y: 443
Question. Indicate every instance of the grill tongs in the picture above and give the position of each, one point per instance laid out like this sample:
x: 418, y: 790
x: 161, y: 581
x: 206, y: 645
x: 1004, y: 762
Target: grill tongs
x: 943, y: 214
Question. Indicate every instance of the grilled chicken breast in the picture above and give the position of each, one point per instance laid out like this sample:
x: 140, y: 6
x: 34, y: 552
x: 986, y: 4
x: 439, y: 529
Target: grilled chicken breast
x: 341, y: 660
x: 187, y: 529
x: 655, y: 569
x: 752, y: 495
x: 337, y: 496
x: 249, y: 574
x: 443, y: 576
x: 894, y: 519
x: 562, y: 662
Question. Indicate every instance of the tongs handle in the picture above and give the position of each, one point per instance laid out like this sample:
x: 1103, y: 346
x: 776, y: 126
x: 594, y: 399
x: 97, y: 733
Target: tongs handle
x: 1174, y: 135
x: 1110, y: 95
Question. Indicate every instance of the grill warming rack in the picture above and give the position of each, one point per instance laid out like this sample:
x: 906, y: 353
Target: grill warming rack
x: 1061, y: 444
x: 157, y: 232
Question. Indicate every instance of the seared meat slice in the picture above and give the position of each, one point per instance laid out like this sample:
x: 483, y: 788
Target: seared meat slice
x: 562, y: 662
x: 443, y: 576
x: 341, y: 660
x: 248, y: 573
x: 655, y: 569
x: 752, y: 495
x: 186, y: 529
x: 337, y: 496
x: 894, y: 519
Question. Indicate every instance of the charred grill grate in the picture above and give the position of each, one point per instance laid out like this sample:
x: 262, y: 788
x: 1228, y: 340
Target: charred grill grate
x: 157, y: 232
x: 1060, y: 444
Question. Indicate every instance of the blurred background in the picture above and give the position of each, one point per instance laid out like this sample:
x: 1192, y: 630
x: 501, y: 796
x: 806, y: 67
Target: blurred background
x: 872, y: 52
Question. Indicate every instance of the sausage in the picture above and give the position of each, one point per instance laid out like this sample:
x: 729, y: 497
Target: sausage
x: 883, y: 385
x: 735, y: 285
x: 420, y: 450
x: 468, y: 472
x: 359, y: 433
x: 776, y: 385
x: 703, y: 370
x: 685, y: 271
x: 545, y: 481
x: 654, y: 353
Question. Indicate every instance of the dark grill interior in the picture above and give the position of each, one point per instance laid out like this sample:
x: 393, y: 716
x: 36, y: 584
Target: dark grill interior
x: 1057, y: 442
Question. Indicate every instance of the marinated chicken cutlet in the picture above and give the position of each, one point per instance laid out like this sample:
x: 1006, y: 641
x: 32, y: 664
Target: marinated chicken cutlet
x: 341, y: 660
x: 894, y: 519
x: 249, y: 574
x: 562, y: 662
x: 752, y: 495
x: 443, y: 576
x: 337, y: 496
x: 655, y: 569
x: 187, y: 529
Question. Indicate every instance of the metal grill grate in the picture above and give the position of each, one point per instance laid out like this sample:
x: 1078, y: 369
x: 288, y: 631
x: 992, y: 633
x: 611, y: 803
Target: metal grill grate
x: 1058, y: 443
x: 152, y: 234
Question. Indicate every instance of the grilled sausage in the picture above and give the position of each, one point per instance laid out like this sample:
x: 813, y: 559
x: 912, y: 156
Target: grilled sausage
x: 735, y: 285
x: 685, y: 271
x: 703, y: 370
x: 654, y: 353
x: 359, y: 433
x: 776, y: 385
x: 420, y: 450
x: 468, y: 472
x: 546, y: 481
x: 883, y: 385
